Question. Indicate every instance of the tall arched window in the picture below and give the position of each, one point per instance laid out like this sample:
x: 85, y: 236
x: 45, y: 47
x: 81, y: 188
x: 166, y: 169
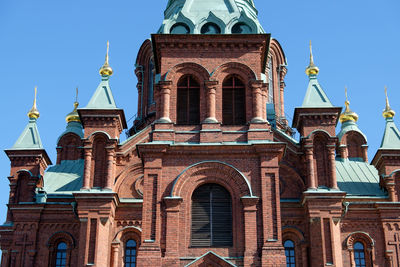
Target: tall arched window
x: 290, y: 253
x: 100, y: 161
x: 188, y: 101
x: 150, y: 97
x: 270, y: 81
x: 130, y: 253
x: 233, y: 101
x: 61, y: 255
x: 321, y: 158
x: 211, y: 216
x: 359, y: 254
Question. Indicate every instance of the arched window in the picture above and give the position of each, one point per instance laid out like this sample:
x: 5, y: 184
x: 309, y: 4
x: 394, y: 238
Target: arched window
x: 100, y: 161
x: 150, y: 97
x: 321, y: 158
x: 211, y: 217
x: 359, y: 254
x: 61, y: 255
x: 130, y: 253
x: 233, y: 101
x: 290, y: 253
x: 188, y: 101
x: 270, y: 81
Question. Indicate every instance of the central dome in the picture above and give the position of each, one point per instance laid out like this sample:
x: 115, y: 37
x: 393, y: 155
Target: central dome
x: 211, y: 17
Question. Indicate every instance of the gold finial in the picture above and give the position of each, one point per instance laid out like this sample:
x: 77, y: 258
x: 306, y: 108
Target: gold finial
x: 388, y: 113
x: 312, y: 69
x: 348, y: 115
x: 106, y: 70
x: 74, y: 116
x: 34, y: 113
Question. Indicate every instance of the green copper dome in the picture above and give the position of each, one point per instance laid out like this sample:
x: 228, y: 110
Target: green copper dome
x: 211, y: 17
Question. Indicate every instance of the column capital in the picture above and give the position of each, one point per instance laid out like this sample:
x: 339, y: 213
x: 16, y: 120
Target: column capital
x: 211, y: 84
x: 172, y: 203
x: 164, y: 85
x: 256, y: 84
x: 250, y: 203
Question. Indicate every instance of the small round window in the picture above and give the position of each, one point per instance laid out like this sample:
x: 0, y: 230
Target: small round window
x: 210, y: 28
x: 180, y: 28
x: 242, y: 28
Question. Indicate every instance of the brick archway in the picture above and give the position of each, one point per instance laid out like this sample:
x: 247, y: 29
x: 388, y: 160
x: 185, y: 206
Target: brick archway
x: 211, y: 172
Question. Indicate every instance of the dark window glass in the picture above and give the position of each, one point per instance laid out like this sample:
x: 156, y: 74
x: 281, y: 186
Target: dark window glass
x: 130, y: 253
x: 211, y: 217
x: 188, y: 101
x: 359, y: 254
x: 290, y: 253
x: 150, y: 97
x: 210, y: 28
x: 180, y: 28
x: 233, y: 102
x: 270, y: 82
x: 241, y: 28
x: 61, y: 255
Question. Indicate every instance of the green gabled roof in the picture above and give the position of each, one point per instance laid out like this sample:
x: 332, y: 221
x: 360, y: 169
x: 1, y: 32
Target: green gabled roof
x: 29, y: 138
x: 391, y: 137
x: 358, y: 178
x: 65, y: 177
x: 349, y: 126
x: 315, y: 96
x: 102, y: 97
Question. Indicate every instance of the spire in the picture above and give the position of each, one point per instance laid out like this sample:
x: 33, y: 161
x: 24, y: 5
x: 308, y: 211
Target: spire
x: 348, y: 115
x: 106, y: 70
x: 73, y: 115
x: 312, y: 70
x: 34, y: 113
x: 315, y: 96
x: 388, y: 113
x: 30, y: 138
x: 102, y: 97
x: 391, y: 137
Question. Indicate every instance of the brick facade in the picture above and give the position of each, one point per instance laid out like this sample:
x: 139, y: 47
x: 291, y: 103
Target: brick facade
x: 141, y: 189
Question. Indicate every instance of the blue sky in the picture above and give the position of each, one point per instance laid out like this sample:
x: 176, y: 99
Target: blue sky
x: 58, y: 45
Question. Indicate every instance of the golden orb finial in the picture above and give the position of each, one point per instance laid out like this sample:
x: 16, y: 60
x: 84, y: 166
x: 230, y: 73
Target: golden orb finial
x: 388, y: 113
x: 348, y: 115
x: 74, y: 116
x: 106, y: 70
x: 312, y: 69
x: 34, y: 113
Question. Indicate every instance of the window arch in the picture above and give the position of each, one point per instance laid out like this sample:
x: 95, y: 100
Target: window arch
x: 61, y: 245
x: 233, y: 101
x: 290, y: 253
x: 360, y: 246
x: 211, y: 217
x: 99, y: 159
x: 188, y: 101
x: 130, y: 253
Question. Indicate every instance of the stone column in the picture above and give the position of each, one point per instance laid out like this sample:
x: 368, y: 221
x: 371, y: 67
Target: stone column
x: 257, y: 101
x: 165, y: 88
x: 282, y: 74
x: 250, y: 230
x: 310, y: 167
x: 114, y: 253
x: 211, y: 87
x: 110, y: 168
x: 172, y: 205
x: 87, y: 168
x: 332, y: 165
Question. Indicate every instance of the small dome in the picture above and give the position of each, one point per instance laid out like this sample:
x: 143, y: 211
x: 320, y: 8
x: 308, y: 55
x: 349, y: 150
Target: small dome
x: 34, y: 112
x: 348, y: 115
x: 73, y: 116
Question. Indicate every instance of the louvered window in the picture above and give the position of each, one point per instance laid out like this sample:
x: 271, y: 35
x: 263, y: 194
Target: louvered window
x: 211, y: 217
x: 188, y: 101
x: 233, y: 101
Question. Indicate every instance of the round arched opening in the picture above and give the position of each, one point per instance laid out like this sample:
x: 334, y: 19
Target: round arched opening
x: 180, y: 28
x: 241, y: 28
x: 210, y: 28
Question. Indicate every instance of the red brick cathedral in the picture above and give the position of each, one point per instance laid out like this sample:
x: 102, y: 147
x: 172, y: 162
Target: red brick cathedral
x: 210, y: 174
